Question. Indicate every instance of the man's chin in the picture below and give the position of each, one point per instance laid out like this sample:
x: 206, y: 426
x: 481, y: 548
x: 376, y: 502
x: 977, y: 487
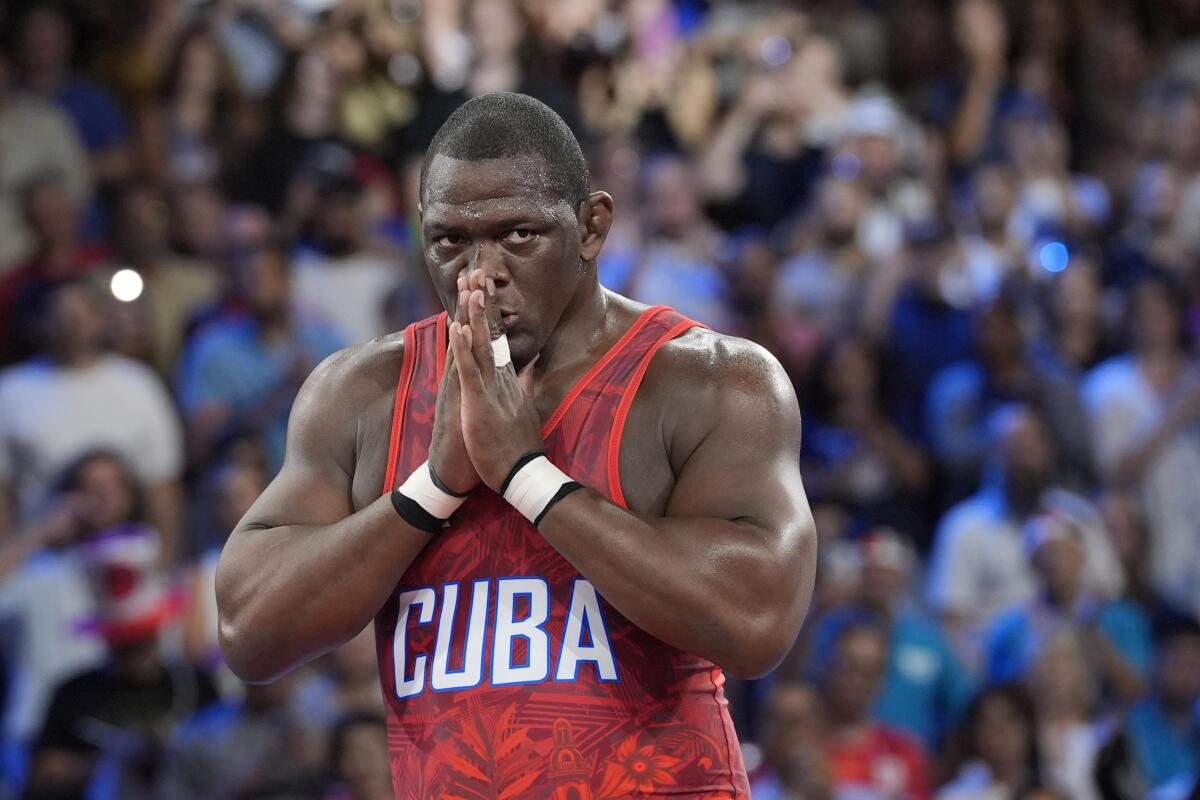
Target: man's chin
x: 523, y: 349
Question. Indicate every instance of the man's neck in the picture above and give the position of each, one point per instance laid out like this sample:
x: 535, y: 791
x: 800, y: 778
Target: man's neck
x: 585, y: 325
x: 80, y: 360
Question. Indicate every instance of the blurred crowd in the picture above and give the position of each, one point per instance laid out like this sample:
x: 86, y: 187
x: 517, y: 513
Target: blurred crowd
x: 970, y: 230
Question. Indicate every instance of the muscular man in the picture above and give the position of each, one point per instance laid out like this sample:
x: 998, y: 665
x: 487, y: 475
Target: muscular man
x: 543, y: 642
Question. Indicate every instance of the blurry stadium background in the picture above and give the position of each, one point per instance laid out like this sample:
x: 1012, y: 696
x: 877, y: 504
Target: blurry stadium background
x: 970, y: 231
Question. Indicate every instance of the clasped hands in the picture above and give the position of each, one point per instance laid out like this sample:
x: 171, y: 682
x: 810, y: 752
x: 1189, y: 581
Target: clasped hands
x: 486, y: 417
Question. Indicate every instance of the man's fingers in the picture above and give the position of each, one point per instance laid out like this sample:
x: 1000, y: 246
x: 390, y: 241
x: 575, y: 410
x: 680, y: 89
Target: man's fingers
x: 480, y: 280
x: 481, y: 335
x: 460, y: 312
x: 460, y: 345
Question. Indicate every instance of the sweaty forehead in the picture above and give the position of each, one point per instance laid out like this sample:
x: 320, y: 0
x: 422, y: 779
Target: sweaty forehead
x: 518, y: 183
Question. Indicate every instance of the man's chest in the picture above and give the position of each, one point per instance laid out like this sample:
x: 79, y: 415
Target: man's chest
x: 641, y: 450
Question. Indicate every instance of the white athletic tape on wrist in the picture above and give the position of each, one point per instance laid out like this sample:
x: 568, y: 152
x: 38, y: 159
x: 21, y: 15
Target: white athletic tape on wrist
x: 534, y: 486
x: 421, y: 489
x: 500, y: 352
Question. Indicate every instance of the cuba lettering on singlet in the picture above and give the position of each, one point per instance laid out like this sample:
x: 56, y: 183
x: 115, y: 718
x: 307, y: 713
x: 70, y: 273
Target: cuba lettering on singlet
x: 496, y: 605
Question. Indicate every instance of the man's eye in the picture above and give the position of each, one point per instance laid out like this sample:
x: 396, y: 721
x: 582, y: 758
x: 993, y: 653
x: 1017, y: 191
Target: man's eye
x: 447, y: 240
x: 519, y: 236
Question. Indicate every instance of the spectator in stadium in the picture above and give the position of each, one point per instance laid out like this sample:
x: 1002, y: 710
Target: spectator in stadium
x: 1145, y: 419
x: 926, y: 688
x: 197, y: 218
x: 1148, y: 245
x: 44, y: 593
x: 47, y: 52
x: 76, y: 396
x: 1164, y: 730
x: 175, y: 286
x: 1070, y: 731
x: 963, y: 398
x: 765, y: 153
x: 336, y: 274
x: 38, y: 140
x: 305, y: 116
x: 683, y: 253
x: 995, y: 754
x: 1117, y: 632
x: 1126, y: 523
x: 192, y: 128
x: 1075, y: 339
x: 906, y: 311
x: 257, y: 747
x: 359, y: 759
x: 104, y: 730
x: 794, y: 735
x: 866, y: 756
x: 854, y: 454
x: 821, y: 284
x: 991, y: 253
x: 346, y: 682
x: 240, y: 373
x: 60, y: 251
x: 236, y: 483
x: 979, y: 567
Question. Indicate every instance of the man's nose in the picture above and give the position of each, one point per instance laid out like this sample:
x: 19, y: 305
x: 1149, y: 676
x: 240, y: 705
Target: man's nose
x: 488, y: 257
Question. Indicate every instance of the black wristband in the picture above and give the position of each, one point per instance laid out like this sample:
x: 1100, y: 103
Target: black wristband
x: 563, y: 491
x: 522, y: 461
x: 411, y: 512
x: 439, y: 483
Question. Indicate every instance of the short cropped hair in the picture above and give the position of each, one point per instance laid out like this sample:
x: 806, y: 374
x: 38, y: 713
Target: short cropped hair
x: 508, y: 124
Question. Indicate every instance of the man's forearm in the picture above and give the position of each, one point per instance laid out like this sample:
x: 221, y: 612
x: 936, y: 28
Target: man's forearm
x: 288, y: 594
x: 712, y: 587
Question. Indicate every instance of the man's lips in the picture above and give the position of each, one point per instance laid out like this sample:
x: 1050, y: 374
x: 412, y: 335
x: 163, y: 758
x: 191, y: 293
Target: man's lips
x: 508, y: 319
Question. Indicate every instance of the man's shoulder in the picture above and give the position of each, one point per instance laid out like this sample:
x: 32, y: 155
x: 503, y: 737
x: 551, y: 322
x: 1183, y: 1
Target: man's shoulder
x: 356, y: 375
x: 705, y: 360
x: 17, y: 377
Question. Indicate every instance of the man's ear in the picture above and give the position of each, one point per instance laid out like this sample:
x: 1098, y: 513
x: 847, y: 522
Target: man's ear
x: 595, y: 220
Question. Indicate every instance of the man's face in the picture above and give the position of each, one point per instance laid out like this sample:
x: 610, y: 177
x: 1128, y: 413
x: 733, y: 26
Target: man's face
x: 52, y: 213
x: 794, y: 725
x: 76, y: 322
x: 856, y: 673
x: 1059, y: 563
x: 505, y: 217
x: 1027, y: 451
x: 45, y: 40
x: 264, y: 282
x: 340, y: 223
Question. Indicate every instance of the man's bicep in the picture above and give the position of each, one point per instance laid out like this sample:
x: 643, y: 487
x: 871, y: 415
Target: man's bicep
x: 747, y: 466
x: 313, y: 485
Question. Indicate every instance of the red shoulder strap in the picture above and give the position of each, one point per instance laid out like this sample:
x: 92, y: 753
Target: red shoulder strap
x: 680, y: 325
x: 422, y: 345
x: 583, y: 436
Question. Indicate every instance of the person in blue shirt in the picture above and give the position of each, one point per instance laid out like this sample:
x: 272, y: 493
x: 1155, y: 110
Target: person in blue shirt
x: 1117, y: 631
x: 240, y: 373
x: 1164, y: 730
x: 926, y: 688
